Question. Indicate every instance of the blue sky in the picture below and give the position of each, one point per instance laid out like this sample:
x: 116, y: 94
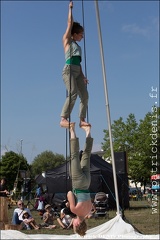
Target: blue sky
x: 32, y: 59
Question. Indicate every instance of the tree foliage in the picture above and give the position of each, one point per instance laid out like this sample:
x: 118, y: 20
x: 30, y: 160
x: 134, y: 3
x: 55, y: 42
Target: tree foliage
x: 46, y: 161
x: 141, y: 141
x: 10, y: 165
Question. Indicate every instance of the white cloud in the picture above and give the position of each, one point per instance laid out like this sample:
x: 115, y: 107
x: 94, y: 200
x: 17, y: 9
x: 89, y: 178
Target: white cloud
x: 135, y: 29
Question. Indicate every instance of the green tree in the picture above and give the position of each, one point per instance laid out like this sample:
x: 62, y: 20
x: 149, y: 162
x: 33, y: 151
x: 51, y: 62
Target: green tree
x: 10, y: 165
x: 46, y: 161
x: 123, y: 135
x: 147, y: 147
x: 136, y: 140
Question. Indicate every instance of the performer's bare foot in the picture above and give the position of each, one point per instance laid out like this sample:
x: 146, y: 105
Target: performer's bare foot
x: 72, y: 131
x: 87, y: 129
x: 65, y: 123
x: 84, y: 124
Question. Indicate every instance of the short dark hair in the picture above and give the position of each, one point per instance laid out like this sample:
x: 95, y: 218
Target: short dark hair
x: 76, y: 28
x: 24, y: 214
x: 81, y: 229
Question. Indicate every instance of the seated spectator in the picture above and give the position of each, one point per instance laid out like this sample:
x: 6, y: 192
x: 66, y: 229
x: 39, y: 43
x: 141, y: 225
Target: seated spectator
x: 65, y: 205
x: 29, y: 222
x: 48, y: 218
x: 3, y: 188
x: 65, y: 220
x: 17, y: 214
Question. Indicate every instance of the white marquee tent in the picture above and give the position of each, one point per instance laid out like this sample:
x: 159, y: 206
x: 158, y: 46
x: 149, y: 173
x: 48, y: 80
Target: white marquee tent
x: 116, y: 228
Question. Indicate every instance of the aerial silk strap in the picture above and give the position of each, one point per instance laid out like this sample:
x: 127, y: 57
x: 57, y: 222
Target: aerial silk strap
x: 84, y: 50
x: 68, y: 134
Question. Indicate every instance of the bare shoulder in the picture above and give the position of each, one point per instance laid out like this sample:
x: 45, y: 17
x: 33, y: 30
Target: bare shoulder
x: 66, y: 42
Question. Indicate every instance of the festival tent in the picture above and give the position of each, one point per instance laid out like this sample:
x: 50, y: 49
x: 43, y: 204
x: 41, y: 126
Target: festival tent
x: 58, y: 181
x: 39, y: 179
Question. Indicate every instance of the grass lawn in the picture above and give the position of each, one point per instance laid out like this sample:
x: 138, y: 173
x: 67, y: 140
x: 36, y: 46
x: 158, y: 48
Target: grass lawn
x: 140, y: 215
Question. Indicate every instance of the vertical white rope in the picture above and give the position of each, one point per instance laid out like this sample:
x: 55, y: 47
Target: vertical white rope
x: 107, y: 105
x: 85, y: 55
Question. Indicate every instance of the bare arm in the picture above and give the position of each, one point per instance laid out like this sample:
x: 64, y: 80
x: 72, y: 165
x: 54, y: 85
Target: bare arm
x: 30, y: 220
x: 62, y: 215
x: 45, y: 217
x: 67, y: 34
x: 5, y: 191
x: 71, y: 223
x: 71, y: 201
x: 84, y: 78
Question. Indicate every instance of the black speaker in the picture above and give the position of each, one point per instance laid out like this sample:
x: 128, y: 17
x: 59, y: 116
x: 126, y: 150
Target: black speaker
x: 120, y: 162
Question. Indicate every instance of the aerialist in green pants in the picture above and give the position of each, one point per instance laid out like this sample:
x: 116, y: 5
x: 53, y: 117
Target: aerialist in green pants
x: 79, y: 199
x: 73, y: 77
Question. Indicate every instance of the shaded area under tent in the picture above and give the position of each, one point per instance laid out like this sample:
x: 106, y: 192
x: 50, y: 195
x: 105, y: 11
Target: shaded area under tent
x: 58, y: 182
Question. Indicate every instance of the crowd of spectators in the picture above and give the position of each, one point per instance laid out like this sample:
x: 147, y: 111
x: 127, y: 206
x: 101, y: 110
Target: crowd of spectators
x: 22, y: 217
x: 51, y: 217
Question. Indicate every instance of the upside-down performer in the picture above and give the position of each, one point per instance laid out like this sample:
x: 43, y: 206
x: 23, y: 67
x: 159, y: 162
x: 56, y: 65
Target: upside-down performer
x: 74, y: 79
x: 79, y: 198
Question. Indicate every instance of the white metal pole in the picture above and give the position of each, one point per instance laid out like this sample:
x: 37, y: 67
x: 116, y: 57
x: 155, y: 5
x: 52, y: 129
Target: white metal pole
x: 107, y: 105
